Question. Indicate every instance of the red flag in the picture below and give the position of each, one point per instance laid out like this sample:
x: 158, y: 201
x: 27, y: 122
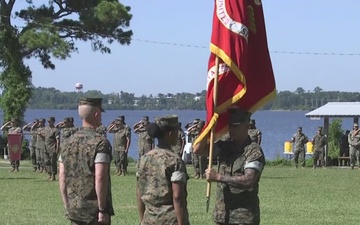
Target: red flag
x: 246, y: 76
x: 14, y: 144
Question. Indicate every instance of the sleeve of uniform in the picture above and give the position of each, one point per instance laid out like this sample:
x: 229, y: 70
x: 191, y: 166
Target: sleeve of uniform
x: 57, y: 134
x: 255, y: 159
x: 103, y: 152
x: 179, y: 173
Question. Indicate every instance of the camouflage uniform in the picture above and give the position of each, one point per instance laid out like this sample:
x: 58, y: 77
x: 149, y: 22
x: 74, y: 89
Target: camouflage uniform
x: 255, y: 135
x: 354, y: 147
x: 145, y: 142
x: 179, y: 144
x: 234, y: 205
x: 300, y: 140
x: 51, y: 151
x: 199, y: 162
x: 40, y: 146
x: 319, y: 142
x: 157, y: 170
x: 33, y: 149
x: 79, y: 155
x: 101, y: 130
x: 120, y: 142
x: 15, y: 163
x: 65, y: 134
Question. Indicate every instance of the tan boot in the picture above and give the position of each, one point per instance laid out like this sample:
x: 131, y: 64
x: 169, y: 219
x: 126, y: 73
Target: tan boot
x: 53, y: 177
x: 12, y: 170
x: 119, y: 173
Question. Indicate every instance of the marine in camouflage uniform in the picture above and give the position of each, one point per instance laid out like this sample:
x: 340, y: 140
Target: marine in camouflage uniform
x: 39, y: 129
x: 158, y: 171
x: 66, y: 130
x: 199, y: 162
x: 300, y: 139
x: 240, y: 165
x: 178, y: 148
x: 319, y: 142
x: 52, y: 144
x: 122, y: 140
x: 101, y: 130
x: 145, y: 142
x: 354, y: 146
x: 77, y: 176
x: 254, y: 133
x: 12, y: 127
x: 27, y: 127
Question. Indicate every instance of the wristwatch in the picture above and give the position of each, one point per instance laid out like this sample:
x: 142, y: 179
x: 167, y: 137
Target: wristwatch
x: 103, y: 210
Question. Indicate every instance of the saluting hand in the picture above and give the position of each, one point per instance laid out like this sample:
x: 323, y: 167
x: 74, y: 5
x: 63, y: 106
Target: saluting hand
x: 211, y: 175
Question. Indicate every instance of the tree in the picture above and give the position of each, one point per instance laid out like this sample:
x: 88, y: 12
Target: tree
x: 300, y: 91
x: 50, y: 31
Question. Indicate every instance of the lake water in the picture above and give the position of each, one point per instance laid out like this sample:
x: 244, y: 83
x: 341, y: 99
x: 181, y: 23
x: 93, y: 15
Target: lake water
x: 276, y: 126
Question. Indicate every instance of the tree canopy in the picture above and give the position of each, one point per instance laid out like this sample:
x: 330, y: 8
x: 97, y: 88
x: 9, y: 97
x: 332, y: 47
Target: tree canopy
x: 50, y: 30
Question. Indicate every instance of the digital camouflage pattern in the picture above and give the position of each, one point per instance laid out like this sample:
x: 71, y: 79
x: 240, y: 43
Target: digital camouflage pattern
x: 234, y: 205
x: 77, y: 156
x: 120, y: 142
x: 300, y: 140
x: 40, y: 145
x: 145, y: 142
x: 65, y: 133
x: 181, y: 138
x: 255, y: 134
x: 199, y: 162
x: 319, y: 142
x: 155, y: 187
x: 101, y: 130
x: 354, y: 148
x: 50, y: 155
x: 33, y: 148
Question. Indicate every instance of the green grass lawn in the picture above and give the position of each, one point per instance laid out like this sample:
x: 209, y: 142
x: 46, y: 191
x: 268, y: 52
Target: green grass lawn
x: 287, y: 195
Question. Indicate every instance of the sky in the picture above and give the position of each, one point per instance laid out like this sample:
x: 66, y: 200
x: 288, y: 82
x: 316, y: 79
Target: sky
x: 149, y: 67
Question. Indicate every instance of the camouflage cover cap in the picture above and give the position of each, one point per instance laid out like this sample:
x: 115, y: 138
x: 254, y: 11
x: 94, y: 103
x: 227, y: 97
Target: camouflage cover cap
x: 118, y: 121
x: 320, y: 128
x: 238, y: 116
x: 92, y: 101
x: 35, y: 120
x: 122, y: 118
x: 42, y: 120
x: 51, y: 119
x: 145, y: 118
x: 71, y: 119
x: 252, y: 122
x: 167, y: 121
x: 67, y: 120
x: 299, y: 128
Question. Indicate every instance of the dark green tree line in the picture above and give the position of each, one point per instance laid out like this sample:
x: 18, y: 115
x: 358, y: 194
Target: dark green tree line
x: 50, y: 30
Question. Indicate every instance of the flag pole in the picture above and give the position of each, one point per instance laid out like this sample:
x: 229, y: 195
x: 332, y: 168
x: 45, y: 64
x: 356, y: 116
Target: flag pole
x: 212, y: 134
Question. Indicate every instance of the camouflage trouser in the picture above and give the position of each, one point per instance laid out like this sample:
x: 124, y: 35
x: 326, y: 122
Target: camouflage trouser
x: 95, y: 222
x: 121, y: 160
x: 319, y: 156
x: 299, y: 154
x: 33, y: 156
x: 40, y: 157
x: 354, y: 155
x: 50, y: 162
x: 199, y: 164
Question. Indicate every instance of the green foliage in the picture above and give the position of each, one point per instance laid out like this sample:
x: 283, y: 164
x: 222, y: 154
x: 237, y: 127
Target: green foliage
x: 335, y: 133
x: 50, y: 31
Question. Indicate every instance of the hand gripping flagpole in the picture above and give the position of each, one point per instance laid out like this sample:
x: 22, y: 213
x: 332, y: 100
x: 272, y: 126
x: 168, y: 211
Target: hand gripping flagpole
x: 212, y: 134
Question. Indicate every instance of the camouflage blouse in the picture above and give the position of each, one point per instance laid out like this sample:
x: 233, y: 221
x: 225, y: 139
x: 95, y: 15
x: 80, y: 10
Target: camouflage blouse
x: 79, y: 155
x: 158, y: 169
x: 234, y: 205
